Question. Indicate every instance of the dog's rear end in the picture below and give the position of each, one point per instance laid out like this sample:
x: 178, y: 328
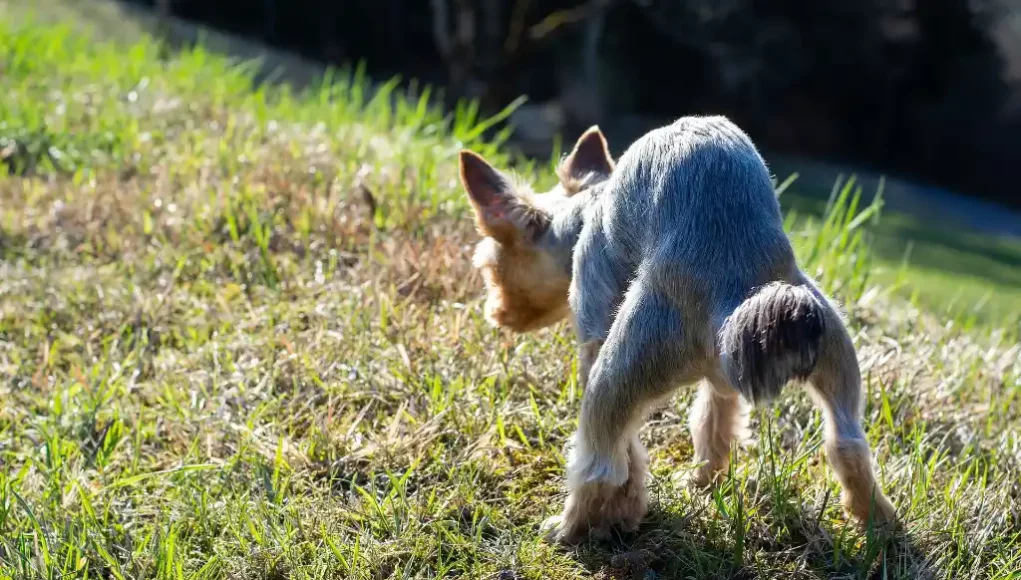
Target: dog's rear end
x: 773, y: 337
x: 790, y: 332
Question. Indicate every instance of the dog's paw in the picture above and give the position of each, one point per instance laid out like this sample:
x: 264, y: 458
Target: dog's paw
x: 876, y: 511
x: 557, y: 530
x: 700, y: 478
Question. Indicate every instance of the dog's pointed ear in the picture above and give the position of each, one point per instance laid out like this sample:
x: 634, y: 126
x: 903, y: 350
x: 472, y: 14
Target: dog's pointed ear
x: 487, y: 187
x: 591, y: 155
x: 499, y: 212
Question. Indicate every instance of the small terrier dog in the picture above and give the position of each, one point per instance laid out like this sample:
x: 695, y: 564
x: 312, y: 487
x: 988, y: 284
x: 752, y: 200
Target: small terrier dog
x: 674, y: 268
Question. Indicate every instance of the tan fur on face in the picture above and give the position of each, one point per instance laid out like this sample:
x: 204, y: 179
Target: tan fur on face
x: 526, y: 290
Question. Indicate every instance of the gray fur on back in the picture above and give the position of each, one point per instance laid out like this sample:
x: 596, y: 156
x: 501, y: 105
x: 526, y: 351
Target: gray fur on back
x: 771, y: 338
x: 690, y: 208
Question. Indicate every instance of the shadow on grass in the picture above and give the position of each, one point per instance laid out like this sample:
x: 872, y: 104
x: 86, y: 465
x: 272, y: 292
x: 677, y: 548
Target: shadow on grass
x: 671, y: 545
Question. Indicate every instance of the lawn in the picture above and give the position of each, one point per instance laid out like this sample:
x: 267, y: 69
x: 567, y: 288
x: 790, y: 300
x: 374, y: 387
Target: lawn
x: 240, y: 337
x: 952, y: 272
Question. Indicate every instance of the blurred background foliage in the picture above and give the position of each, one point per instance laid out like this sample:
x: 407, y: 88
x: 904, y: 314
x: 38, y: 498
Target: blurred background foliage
x: 929, y: 90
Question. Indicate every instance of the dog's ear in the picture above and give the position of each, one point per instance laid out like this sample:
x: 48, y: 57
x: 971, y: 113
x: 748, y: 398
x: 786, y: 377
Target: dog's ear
x: 591, y: 156
x: 499, y: 211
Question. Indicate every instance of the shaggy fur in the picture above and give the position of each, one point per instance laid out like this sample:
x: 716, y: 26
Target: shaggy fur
x: 771, y: 338
x: 674, y: 267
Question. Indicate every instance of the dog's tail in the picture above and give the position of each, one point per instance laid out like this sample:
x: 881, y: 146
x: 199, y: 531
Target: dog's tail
x: 772, y: 338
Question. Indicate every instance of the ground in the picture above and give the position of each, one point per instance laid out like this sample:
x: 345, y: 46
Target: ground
x: 240, y: 337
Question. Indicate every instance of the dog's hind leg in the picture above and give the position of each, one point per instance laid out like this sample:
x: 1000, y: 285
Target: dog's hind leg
x: 641, y: 362
x: 835, y: 385
x: 717, y: 418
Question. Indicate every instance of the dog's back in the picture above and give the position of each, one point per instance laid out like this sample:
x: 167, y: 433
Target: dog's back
x: 693, y: 202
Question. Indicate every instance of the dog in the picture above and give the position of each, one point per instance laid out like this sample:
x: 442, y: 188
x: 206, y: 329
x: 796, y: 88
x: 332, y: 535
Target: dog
x: 673, y: 265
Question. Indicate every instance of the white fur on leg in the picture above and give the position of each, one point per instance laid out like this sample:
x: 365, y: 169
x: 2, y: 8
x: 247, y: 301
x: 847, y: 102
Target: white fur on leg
x: 585, y: 466
x: 603, y: 492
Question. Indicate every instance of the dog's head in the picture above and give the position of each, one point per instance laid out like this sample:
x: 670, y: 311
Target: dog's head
x: 526, y: 285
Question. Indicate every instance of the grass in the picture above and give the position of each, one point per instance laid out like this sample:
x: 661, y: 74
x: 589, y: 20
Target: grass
x: 240, y: 338
x: 949, y: 271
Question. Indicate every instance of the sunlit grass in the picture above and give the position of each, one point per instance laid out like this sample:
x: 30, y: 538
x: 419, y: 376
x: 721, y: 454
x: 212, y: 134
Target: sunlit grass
x: 240, y: 337
x: 962, y: 275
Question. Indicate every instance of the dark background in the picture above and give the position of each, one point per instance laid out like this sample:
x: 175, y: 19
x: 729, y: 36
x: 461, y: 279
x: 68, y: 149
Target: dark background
x: 915, y: 88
